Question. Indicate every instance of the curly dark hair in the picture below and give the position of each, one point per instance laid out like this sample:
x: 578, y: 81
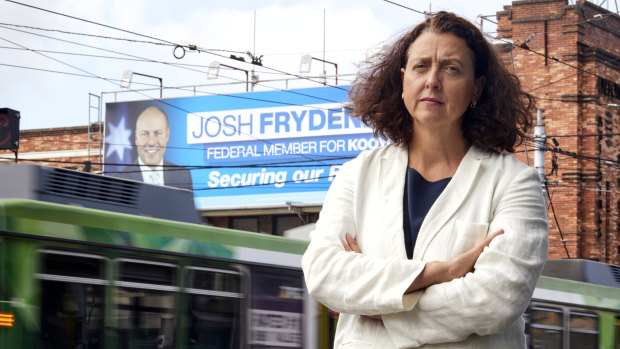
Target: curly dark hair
x: 503, y: 113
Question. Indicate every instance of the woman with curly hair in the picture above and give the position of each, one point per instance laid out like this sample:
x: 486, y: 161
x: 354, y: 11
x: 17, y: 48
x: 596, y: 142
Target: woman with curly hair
x: 436, y: 240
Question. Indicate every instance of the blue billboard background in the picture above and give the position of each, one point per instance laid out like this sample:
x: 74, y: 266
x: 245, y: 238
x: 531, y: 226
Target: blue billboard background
x: 255, y: 149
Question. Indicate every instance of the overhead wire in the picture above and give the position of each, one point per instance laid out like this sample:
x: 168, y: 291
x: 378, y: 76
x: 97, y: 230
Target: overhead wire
x: 557, y: 223
x: 405, y: 7
x: 173, y: 64
x: 183, y: 67
x: 136, y: 91
x: 189, y: 47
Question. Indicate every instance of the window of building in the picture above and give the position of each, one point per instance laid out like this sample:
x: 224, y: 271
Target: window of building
x: 285, y: 222
x: 244, y: 223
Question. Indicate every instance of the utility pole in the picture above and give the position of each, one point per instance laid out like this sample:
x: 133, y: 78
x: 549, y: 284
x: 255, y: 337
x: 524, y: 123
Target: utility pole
x: 539, y: 145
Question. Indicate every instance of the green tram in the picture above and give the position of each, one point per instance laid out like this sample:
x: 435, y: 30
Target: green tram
x: 72, y: 276
x: 90, y: 261
x: 576, y: 305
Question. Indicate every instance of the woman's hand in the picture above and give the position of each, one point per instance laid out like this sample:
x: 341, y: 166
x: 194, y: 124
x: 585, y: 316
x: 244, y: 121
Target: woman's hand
x: 350, y: 245
x: 437, y: 272
x: 464, y: 263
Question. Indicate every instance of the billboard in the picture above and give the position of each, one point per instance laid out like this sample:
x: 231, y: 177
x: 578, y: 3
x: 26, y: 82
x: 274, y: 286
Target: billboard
x: 248, y: 150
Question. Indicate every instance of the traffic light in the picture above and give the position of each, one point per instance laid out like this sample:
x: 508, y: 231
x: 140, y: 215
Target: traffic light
x: 9, y: 128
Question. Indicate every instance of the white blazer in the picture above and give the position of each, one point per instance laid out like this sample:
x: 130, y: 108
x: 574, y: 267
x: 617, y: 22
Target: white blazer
x: 489, y: 191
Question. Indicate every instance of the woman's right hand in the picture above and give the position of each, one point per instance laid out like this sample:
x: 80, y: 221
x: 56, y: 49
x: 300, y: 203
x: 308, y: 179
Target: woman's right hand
x: 437, y: 272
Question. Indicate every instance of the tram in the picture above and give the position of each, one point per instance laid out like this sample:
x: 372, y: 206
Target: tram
x: 88, y: 261
x: 576, y: 304
x: 74, y: 276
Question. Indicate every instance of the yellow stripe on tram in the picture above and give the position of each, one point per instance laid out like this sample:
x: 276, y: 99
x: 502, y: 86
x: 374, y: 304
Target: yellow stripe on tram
x: 7, y: 319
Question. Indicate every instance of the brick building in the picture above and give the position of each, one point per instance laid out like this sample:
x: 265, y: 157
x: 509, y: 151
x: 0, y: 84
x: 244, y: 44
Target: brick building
x: 66, y: 147
x: 568, y: 56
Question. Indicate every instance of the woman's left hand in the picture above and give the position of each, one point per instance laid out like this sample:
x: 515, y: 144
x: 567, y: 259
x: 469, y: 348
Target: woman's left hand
x: 350, y: 245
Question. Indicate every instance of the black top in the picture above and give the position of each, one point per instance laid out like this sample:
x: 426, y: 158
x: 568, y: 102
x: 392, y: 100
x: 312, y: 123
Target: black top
x: 420, y: 195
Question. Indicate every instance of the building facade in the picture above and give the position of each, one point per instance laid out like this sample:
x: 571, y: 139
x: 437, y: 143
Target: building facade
x: 568, y: 57
x: 76, y: 148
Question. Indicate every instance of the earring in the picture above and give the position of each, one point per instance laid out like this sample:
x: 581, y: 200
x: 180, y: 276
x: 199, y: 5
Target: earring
x: 472, y: 105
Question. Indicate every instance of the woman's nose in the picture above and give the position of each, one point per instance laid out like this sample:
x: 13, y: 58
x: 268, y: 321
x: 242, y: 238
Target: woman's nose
x: 432, y: 79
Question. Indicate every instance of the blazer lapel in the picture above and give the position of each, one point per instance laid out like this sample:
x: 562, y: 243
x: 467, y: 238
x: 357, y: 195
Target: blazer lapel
x: 449, y: 201
x: 392, y: 169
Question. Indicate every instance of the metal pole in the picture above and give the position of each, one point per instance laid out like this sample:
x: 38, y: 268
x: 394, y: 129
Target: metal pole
x: 539, y: 144
x: 324, y: 72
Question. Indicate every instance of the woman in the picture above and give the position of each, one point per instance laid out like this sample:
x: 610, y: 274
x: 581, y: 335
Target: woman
x: 438, y: 239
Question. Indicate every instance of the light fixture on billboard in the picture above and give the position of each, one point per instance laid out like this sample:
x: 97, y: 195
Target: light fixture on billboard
x: 306, y: 62
x: 214, y: 71
x: 128, y: 74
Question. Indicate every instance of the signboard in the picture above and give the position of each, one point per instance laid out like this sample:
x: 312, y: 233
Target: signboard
x: 276, y: 309
x: 259, y: 149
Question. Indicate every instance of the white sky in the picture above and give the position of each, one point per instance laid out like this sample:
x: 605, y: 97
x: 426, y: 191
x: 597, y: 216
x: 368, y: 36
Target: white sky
x: 285, y: 30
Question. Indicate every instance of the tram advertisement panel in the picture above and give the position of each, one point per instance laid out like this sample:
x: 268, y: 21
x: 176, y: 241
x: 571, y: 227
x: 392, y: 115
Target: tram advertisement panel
x: 276, y: 309
x: 249, y: 149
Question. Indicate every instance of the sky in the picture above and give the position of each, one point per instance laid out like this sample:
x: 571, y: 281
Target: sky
x: 59, y: 71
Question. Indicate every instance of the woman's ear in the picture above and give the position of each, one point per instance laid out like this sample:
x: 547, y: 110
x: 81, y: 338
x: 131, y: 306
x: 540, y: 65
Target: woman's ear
x: 479, y: 87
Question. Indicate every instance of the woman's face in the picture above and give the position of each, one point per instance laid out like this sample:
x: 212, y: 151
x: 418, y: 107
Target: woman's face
x: 438, y: 81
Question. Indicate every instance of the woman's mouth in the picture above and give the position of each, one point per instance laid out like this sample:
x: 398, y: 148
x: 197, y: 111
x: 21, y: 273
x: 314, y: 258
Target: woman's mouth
x: 431, y: 101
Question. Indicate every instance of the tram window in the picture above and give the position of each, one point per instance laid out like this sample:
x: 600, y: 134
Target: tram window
x: 145, y: 299
x: 145, y: 318
x: 215, y: 308
x: 207, y: 279
x: 72, y: 264
x: 583, y: 330
x: 214, y: 321
x: 72, y: 315
x: 147, y: 272
x: 546, y: 327
x: 72, y: 299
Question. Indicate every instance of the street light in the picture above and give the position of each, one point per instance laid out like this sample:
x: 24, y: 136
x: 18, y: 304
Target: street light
x: 128, y: 74
x: 306, y: 61
x: 214, y: 70
x: 505, y: 46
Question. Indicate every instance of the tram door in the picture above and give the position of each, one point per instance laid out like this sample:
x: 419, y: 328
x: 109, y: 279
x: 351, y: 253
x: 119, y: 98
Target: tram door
x: 72, y: 289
